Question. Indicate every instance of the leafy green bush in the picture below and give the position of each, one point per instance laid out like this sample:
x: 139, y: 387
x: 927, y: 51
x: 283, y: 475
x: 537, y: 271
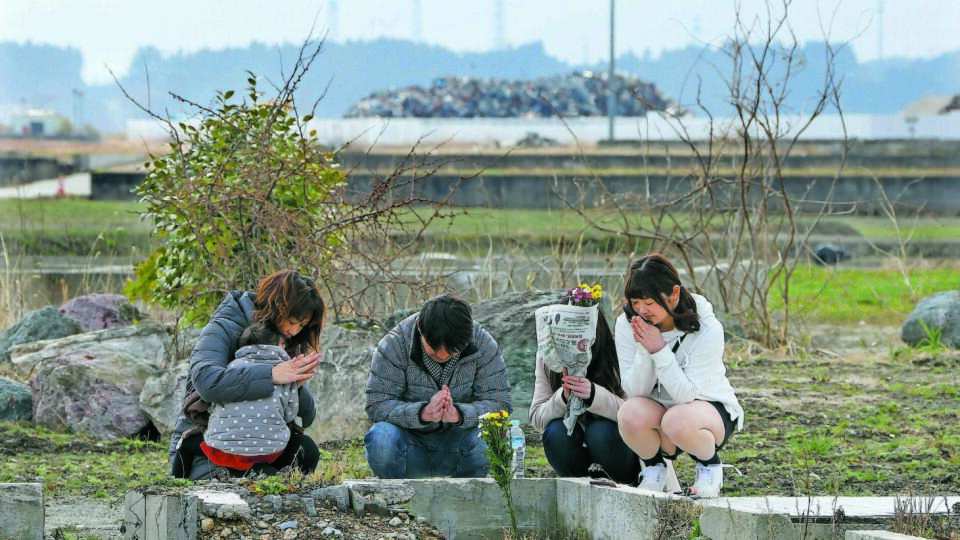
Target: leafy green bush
x: 240, y: 194
x: 246, y: 190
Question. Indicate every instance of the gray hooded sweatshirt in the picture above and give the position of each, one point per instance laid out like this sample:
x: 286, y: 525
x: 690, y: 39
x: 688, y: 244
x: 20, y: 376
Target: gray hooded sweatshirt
x: 257, y: 427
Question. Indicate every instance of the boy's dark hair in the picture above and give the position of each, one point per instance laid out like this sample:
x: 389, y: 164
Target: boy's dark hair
x: 446, y: 321
x: 260, y: 334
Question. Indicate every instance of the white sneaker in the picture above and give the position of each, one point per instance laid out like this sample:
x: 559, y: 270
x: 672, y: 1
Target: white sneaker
x: 709, y: 481
x: 654, y: 478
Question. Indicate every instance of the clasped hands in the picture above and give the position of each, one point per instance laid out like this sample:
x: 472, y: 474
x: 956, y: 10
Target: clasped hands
x: 299, y: 369
x: 647, y: 335
x: 441, y: 408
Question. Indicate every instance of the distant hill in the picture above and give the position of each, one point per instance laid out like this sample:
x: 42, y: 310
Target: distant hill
x: 46, y: 76
x: 41, y: 76
x: 878, y: 87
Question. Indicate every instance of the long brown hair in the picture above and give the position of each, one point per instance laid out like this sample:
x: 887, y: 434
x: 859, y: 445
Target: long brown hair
x: 604, y: 369
x: 287, y: 294
x: 652, y: 277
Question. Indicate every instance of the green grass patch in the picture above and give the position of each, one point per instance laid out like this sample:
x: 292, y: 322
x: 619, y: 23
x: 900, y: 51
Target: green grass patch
x: 911, y: 227
x: 62, y: 213
x: 72, y: 226
x: 879, y: 296
x: 72, y: 464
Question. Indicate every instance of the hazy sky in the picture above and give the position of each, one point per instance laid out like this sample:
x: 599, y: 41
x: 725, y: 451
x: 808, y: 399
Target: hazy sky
x: 108, y: 32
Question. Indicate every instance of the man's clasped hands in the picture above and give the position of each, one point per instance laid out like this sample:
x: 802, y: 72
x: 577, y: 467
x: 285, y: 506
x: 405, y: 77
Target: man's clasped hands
x: 441, y: 408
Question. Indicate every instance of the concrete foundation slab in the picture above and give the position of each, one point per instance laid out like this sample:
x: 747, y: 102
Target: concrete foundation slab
x: 822, y: 507
x: 811, y: 518
x: 878, y: 535
x: 468, y: 509
x: 160, y: 516
x: 21, y: 511
x: 222, y: 504
x: 605, y: 513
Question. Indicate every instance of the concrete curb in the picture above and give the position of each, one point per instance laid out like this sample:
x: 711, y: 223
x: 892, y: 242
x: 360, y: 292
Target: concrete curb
x: 466, y: 509
x: 21, y: 511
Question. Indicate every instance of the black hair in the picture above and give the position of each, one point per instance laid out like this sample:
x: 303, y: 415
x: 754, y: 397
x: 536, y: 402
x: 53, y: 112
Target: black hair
x: 604, y: 369
x: 446, y: 322
x: 653, y: 277
x: 260, y: 334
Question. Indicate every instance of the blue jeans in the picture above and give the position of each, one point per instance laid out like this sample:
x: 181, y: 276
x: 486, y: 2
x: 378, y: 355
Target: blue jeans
x: 569, y: 456
x: 396, y: 452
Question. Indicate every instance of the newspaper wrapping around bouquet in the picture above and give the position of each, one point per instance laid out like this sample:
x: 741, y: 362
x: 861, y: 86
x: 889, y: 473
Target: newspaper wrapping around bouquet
x: 564, y: 336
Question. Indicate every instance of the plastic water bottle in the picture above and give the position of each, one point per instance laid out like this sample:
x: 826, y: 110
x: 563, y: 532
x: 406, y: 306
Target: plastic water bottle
x: 519, y: 443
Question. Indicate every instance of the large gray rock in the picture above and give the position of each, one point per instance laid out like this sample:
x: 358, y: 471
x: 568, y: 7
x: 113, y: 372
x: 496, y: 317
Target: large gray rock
x: 509, y: 319
x: 42, y: 324
x: 93, y: 392
x: 151, y: 343
x: 938, y: 311
x: 162, y: 397
x: 101, y: 311
x: 338, y: 387
x: 16, y: 401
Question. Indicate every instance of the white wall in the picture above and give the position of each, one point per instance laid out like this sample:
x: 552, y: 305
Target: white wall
x: 507, y: 131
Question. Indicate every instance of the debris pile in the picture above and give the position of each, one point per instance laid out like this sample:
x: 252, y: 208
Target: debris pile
x: 581, y: 93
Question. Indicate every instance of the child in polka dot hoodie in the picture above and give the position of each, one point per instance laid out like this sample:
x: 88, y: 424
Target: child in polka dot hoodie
x: 252, y: 434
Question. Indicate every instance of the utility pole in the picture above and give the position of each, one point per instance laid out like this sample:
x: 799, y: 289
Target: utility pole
x: 879, y: 29
x: 611, y: 83
x: 77, y: 110
x: 417, y: 14
x: 499, y: 42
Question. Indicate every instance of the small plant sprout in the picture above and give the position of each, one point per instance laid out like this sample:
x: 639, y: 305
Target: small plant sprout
x: 933, y: 343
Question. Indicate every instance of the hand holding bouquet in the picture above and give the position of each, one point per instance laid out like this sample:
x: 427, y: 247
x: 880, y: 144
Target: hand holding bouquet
x: 565, y: 335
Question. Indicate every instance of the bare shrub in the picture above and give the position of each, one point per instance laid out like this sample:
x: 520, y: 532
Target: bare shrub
x: 734, y: 221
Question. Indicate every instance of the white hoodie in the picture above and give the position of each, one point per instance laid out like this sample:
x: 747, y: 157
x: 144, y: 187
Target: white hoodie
x: 695, y: 372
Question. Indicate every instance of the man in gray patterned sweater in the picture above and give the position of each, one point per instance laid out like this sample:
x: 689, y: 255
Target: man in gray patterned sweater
x: 431, y: 378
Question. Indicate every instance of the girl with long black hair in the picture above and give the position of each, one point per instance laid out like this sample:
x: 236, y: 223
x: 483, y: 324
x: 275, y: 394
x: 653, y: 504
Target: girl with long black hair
x: 595, y: 438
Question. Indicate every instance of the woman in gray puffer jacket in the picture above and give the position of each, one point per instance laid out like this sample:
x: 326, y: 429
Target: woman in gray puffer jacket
x: 288, y: 301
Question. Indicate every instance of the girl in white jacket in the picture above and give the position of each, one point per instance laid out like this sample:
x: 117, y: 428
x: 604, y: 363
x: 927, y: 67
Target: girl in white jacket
x: 670, y: 347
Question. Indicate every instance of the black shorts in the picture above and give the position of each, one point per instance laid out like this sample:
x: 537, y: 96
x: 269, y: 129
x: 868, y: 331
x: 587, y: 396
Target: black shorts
x: 729, y: 426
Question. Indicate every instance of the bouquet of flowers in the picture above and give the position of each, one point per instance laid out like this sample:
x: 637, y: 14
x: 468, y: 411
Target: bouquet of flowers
x: 585, y: 295
x: 565, y: 334
x: 494, y: 428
